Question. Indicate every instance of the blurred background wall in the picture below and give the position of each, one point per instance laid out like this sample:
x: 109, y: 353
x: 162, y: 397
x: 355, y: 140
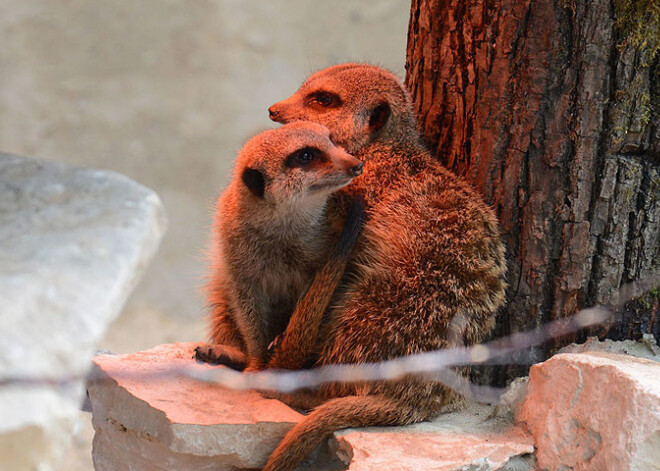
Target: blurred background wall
x: 166, y: 92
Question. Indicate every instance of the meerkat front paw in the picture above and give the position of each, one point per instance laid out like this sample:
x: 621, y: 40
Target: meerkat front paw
x: 220, y: 355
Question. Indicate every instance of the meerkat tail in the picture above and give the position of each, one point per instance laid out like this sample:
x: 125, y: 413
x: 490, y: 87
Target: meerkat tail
x: 336, y: 414
x: 299, y: 340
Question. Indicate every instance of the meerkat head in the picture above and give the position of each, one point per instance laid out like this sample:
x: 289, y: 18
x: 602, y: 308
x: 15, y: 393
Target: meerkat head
x: 294, y: 166
x: 359, y: 103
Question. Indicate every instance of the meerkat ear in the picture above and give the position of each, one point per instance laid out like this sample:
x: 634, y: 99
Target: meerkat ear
x: 255, y: 182
x: 379, y: 116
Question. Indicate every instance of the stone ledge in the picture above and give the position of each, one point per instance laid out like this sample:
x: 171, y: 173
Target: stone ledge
x: 472, y: 439
x: 144, y: 422
x: 586, y: 411
x: 165, y: 422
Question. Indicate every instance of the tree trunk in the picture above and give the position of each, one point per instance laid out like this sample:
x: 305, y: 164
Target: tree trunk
x: 550, y: 109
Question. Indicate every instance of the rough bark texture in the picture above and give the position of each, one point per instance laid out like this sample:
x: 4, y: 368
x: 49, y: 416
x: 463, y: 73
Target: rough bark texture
x: 550, y: 108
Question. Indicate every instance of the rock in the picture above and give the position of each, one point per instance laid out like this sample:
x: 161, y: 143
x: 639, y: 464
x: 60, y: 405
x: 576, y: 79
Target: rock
x: 146, y: 421
x: 74, y: 243
x: 471, y: 439
x: 149, y: 416
x: 594, y: 411
x: 644, y: 348
x: 513, y: 397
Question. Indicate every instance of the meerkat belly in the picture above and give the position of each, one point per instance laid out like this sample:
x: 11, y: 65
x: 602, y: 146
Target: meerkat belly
x: 281, y: 287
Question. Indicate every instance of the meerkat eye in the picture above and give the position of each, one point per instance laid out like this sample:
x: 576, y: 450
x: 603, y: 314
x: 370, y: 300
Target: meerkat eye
x: 324, y: 100
x: 302, y: 157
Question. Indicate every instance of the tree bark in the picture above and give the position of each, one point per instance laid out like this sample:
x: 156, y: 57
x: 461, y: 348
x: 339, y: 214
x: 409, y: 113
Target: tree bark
x: 550, y: 109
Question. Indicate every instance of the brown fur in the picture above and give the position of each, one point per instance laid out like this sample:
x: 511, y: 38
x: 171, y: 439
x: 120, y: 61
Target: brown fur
x: 311, y: 307
x: 430, y: 250
x: 271, y: 238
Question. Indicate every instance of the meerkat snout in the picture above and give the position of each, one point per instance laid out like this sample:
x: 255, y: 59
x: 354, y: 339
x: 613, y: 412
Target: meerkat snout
x: 357, y: 170
x: 277, y: 112
x: 345, y: 161
x: 286, y: 111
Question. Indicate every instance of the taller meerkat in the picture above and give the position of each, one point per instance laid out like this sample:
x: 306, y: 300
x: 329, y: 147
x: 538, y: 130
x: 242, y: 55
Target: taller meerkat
x: 429, y: 251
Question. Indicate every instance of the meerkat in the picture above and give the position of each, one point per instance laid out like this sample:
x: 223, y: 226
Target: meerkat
x: 429, y: 251
x: 271, y: 238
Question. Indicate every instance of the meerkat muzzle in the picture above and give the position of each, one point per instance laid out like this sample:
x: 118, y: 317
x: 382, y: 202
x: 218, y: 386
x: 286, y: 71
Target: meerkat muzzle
x: 352, y: 165
x: 357, y: 170
x: 280, y: 111
x: 273, y: 113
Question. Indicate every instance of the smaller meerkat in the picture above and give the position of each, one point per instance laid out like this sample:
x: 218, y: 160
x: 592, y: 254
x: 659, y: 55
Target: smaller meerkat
x: 272, y: 238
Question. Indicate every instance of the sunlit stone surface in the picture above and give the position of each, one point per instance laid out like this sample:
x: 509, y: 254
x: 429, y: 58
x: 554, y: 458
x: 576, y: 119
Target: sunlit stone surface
x: 595, y: 411
x: 148, y: 416
x: 588, y: 411
x: 472, y: 439
x: 148, y: 419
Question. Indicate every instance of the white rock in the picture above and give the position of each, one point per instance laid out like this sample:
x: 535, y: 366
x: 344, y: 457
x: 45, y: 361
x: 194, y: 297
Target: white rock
x: 594, y: 411
x: 149, y: 416
x: 146, y: 421
x: 470, y: 439
x: 73, y: 244
x: 643, y: 348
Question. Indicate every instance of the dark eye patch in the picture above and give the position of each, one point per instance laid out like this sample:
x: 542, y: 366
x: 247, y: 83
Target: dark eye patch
x: 323, y: 99
x: 303, y: 157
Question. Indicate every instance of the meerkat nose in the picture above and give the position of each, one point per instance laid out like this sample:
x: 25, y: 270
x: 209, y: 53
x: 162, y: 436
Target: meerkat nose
x: 273, y: 113
x: 357, y: 170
